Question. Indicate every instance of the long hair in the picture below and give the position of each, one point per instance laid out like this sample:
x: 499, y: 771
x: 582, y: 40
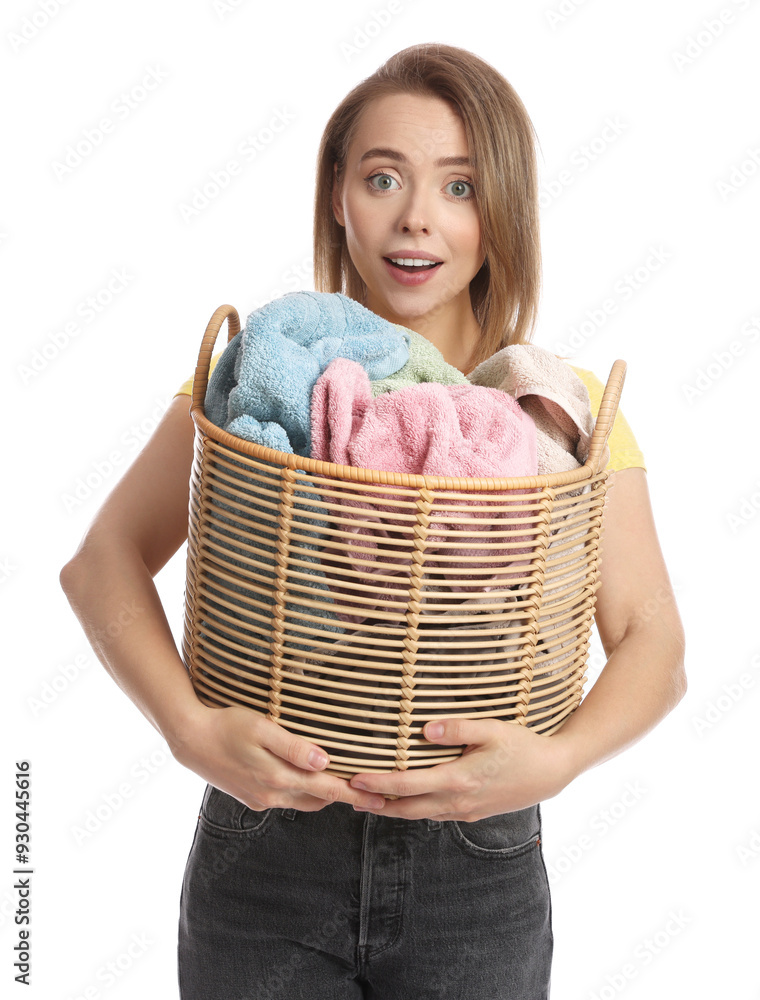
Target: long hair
x: 500, y: 137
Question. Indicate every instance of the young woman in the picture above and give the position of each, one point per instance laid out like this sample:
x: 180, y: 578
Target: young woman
x: 298, y: 883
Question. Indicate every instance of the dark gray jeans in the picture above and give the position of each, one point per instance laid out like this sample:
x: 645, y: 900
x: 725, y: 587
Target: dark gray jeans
x: 335, y: 904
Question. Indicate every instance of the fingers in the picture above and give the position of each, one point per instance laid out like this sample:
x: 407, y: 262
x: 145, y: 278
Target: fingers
x: 308, y: 778
x: 414, y: 781
x: 296, y: 750
x: 317, y: 791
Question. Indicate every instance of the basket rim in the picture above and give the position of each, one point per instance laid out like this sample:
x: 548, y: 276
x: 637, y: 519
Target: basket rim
x: 351, y: 473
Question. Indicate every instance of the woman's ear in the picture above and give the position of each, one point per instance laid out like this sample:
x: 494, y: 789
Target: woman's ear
x: 337, y: 204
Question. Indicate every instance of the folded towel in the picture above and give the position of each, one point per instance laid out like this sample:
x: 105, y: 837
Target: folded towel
x: 425, y: 364
x: 425, y: 429
x: 261, y: 387
x: 550, y: 391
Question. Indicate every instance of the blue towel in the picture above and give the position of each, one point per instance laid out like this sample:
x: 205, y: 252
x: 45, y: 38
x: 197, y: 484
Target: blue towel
x: 260, y: 390
x: 261, y: 387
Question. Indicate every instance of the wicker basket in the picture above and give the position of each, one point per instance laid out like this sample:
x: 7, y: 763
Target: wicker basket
x: 352, y: 606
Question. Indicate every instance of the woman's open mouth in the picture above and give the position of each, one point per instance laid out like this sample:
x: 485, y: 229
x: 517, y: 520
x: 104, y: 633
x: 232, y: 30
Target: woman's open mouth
x: 411, y: 270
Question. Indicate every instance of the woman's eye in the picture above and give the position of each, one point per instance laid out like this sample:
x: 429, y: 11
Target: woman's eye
x: 384, y: 182
x: 460, y: 190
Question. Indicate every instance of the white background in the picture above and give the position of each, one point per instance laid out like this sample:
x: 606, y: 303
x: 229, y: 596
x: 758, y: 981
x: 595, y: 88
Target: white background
x: 682, y: 88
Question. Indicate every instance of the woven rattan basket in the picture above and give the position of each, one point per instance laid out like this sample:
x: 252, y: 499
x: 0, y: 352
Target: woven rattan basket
x: 352, y: 606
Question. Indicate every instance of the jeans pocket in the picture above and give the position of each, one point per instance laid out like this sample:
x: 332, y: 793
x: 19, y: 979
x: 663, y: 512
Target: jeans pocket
x: 223, y: 814
x: 505, y: 835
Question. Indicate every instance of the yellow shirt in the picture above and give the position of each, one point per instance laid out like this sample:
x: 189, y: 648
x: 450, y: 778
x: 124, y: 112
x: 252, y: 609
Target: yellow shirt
x: 624, y: 451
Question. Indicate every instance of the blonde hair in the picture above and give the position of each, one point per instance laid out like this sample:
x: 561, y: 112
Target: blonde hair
x: 500, y: 137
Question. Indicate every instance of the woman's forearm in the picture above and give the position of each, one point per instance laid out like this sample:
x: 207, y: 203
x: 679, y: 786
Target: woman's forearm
x: 642, y: 681
x: 114, y: 597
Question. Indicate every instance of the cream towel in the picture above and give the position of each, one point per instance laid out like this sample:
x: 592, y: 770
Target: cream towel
x: 549, y: 390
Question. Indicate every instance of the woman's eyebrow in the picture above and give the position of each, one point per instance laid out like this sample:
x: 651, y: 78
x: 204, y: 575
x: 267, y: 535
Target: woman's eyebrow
x: 383, y: 153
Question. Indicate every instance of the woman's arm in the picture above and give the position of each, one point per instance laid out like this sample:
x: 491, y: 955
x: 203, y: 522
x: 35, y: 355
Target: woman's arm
x: 142, y: 523
x: 109, y: 584
x: 641, y: 631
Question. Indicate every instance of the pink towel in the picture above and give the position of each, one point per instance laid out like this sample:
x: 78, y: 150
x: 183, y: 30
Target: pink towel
x: 426, y: 429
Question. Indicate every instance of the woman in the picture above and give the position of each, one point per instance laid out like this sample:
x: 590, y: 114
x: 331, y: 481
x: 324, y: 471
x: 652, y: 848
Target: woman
x: 443, y: 891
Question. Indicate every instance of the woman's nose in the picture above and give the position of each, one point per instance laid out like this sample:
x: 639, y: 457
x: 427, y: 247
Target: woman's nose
x: 416, y: 215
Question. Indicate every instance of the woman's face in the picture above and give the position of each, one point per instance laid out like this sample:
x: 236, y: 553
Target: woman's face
x: 408, y: 192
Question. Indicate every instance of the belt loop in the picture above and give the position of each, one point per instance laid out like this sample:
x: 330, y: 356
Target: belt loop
x: 434, y: 824
x: 289, y: 813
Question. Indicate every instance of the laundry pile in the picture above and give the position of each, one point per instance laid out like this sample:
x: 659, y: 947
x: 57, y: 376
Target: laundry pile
x: 318, y: 375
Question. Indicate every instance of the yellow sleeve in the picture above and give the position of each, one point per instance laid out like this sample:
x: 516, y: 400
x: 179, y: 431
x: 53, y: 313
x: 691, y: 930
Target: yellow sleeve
x: 187, y: 387
x: 624, y: 450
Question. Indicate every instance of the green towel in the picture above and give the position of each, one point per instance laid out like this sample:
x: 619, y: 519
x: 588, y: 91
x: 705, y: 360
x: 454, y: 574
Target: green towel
x: 425, y: 364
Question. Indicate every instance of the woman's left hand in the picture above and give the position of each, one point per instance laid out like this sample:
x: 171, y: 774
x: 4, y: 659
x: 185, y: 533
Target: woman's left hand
x: 504, y: 767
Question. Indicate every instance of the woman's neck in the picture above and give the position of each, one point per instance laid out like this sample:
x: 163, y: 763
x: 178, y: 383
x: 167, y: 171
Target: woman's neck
x: 455, y: 332
x: 457, y: 341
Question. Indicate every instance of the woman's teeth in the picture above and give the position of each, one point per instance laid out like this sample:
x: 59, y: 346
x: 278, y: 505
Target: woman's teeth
x: 414, y: 262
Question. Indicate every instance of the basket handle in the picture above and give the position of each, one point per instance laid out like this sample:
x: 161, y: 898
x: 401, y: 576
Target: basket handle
x: 605, y: 418
x: 200, y: 379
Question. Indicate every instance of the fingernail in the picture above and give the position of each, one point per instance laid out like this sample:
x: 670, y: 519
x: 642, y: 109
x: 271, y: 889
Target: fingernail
x: 372, y: 804
x: 359, y: 784
x: 317, y: 759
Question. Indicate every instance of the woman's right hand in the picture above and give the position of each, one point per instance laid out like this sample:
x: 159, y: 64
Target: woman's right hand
x: 259, y: 763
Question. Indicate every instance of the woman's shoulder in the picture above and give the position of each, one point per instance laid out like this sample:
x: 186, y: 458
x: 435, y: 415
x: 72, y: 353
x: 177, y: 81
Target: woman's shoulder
x: 594, y: 385
x: 624, y: 449
x: 186, y: 389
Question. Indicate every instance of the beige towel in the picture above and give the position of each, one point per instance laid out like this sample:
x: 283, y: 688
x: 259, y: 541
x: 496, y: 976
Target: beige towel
x: 549, y: 390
